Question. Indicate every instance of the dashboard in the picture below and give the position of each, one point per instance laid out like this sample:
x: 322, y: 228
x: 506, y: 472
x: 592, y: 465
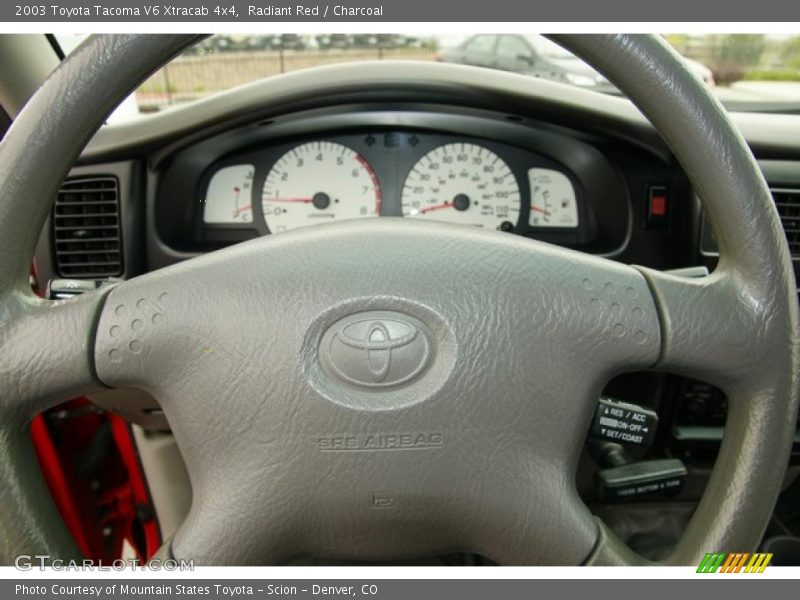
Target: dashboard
x: 472, y: 168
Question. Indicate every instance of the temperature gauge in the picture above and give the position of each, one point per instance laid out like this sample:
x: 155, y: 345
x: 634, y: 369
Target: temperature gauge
x: 553, y: 201
x: 229, y: 198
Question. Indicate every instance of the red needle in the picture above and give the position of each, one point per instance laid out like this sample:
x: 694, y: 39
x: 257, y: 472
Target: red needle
x: 242, y: 209
x: 301, y: 200
x: 428, y: 209
x: 541, y: 210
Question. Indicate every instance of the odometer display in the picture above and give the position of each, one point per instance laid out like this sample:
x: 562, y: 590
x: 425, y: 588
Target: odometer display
x: 463, y: 183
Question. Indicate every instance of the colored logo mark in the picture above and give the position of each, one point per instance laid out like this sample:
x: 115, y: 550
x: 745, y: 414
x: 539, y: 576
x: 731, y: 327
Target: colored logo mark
x: 734, y: 562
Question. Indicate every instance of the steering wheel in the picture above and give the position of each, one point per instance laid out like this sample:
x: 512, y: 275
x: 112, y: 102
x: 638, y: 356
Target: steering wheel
x: 389, y: 389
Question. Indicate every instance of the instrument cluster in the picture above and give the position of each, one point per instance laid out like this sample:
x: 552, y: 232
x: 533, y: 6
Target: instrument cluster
x: 416, y: 175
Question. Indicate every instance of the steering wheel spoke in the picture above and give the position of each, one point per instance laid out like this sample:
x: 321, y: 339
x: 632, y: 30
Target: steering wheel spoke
x: 52, y: 345
x: 45, y: 358
x: 714, y: 328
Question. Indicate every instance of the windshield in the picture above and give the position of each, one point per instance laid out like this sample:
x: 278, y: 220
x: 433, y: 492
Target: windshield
x: 750, y: 72
x: 549, y: 48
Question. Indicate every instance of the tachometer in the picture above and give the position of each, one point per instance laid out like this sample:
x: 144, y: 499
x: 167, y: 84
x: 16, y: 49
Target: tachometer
x: 319, y: 182
x: 463, y: 183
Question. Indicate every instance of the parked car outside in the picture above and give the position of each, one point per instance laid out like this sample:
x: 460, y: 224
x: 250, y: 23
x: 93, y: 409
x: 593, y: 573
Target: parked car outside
x: 537, y: 56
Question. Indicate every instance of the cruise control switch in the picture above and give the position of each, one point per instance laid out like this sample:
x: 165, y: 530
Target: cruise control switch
x: 663, y: 477
x: 624, y: 423
x: 61, y: 289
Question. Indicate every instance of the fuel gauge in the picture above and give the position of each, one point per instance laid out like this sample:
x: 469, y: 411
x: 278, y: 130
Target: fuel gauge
x: 553, y: 202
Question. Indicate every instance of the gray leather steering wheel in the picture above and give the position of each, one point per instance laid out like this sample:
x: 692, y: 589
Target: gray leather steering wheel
x: 390, y: 389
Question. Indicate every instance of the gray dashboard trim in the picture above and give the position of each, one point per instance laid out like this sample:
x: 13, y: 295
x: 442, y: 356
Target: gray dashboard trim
x: 781, y: 173
x: 770, y: 132
x: 362, y: 77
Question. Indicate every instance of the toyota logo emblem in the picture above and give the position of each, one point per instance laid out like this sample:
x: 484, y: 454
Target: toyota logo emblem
x: 376, y: 349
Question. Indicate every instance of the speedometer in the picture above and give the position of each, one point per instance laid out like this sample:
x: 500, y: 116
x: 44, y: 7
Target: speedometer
x: 463, y: 183
x: 318, y: 182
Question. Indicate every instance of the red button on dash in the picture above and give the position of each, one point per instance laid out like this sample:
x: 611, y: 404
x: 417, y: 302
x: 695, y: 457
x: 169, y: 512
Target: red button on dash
x: 658, y: 206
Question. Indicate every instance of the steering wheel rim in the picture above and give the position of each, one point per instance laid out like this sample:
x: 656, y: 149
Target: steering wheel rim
x: 735, y: 329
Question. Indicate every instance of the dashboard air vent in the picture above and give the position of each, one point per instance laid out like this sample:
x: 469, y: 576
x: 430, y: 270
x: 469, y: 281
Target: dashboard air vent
x: 86, y: 228
x: 788, y: 203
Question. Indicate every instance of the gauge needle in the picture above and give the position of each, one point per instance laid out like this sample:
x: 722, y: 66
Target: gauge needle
x: 300, y: 200
x: 428, y: 209
x: 541, y: 210
x: 242, y: 209
x: 236, y: 199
